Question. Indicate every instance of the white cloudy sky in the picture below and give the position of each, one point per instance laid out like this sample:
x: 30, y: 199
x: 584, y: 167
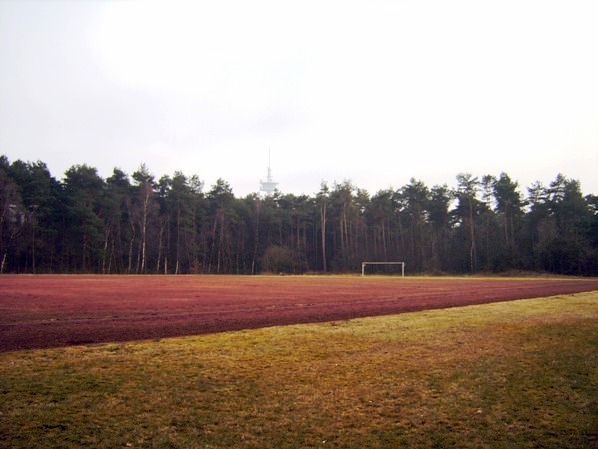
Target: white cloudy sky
x: 376, y: 91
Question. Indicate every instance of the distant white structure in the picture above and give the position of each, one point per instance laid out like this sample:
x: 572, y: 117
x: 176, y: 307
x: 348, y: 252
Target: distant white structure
x: 268, y: 185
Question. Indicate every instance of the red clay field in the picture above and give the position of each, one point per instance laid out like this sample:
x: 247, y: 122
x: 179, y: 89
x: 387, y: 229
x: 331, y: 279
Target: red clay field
x: 44, y: 311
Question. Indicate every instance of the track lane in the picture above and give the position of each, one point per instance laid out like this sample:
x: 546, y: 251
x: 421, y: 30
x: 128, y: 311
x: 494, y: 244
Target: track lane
x: 53, y: 311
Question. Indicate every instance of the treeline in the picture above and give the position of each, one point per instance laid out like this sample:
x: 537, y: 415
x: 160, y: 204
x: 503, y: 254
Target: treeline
x: 171, y: 225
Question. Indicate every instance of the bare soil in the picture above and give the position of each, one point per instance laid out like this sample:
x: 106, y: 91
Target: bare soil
x: 45, y: 311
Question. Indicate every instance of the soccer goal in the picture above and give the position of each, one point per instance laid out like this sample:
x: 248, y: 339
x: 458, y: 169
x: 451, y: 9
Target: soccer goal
x: 364, y: 264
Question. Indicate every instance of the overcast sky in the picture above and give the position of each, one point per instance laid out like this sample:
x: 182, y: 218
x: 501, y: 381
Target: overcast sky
x: 375, y: 91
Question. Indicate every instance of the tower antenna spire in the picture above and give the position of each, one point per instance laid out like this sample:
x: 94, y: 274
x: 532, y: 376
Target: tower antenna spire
x: 269, y: 185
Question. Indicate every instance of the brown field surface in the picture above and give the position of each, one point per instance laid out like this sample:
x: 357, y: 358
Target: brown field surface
x: 44, y: 311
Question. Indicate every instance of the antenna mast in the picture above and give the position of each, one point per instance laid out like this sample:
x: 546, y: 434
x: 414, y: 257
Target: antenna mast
x: 269, y: 185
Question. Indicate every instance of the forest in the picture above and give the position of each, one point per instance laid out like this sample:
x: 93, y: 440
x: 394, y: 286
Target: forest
x: 173, y: 225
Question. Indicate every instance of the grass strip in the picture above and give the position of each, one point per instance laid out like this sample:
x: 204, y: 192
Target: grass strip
x: 513, y: 374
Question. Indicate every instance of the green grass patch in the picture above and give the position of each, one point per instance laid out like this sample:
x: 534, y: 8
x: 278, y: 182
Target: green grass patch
x: 514, y: 374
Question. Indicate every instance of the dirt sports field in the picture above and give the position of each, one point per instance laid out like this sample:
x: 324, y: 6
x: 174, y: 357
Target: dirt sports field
x: 59, y: 310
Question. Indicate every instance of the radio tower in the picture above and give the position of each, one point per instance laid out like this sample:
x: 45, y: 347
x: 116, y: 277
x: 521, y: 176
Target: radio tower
x: 268, y: 186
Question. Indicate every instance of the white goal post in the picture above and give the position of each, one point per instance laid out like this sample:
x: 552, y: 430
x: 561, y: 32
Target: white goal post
x: 363, y: 264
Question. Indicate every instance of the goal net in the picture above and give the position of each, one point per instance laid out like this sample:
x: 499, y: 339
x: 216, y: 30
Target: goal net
x: 383, y: 268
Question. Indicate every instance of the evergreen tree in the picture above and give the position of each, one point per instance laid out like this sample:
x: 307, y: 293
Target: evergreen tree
x: 440, y: 227
x: 143, y: 211
x: 84, y: 221
x: 509, y: 209
x: 466, y: 214
x: 119, y: 231
x: 86, y: 224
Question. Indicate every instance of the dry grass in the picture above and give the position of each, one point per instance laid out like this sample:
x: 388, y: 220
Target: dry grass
x: 504, y: 375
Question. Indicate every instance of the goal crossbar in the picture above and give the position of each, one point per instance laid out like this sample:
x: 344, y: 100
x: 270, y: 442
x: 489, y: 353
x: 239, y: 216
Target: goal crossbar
x: 363, y: 265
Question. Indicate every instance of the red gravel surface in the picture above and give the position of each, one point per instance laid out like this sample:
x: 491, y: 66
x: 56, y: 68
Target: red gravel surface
x: 60, y: 310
